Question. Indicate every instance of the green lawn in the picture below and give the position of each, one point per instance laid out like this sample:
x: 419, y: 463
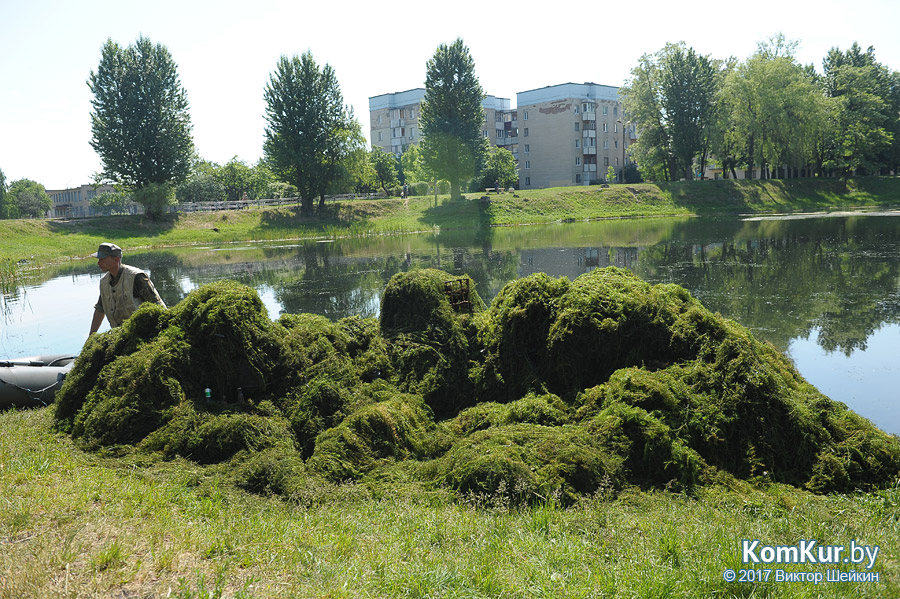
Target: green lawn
x: 91, y: 525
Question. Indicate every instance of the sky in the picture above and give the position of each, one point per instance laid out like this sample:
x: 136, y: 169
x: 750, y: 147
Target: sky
x: 226, y: 51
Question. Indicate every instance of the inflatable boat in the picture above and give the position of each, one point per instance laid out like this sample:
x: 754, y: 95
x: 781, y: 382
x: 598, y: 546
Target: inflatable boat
x: 32, y: 381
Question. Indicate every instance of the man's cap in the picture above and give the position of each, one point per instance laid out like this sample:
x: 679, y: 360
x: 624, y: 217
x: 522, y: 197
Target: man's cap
x: 108, y: 249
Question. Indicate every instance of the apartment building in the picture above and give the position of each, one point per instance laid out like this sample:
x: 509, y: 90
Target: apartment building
x: 567, y: 134
x: 394, y: 120
x: 570, y: 134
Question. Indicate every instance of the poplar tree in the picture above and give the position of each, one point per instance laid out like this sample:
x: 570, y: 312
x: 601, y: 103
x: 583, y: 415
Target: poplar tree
x: 310, y: 135
x: 140, y: 122
x: 452, y: 115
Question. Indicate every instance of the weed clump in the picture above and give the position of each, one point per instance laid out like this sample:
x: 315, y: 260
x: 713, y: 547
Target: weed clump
x: 426, y: 319
x: 558, y: 389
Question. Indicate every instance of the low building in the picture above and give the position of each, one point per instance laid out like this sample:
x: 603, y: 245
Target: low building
x: 76, y: 202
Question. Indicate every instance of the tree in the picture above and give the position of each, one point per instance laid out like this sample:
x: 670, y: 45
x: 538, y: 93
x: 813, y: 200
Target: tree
x: 610, y: 174
x: 412, y: 166
x: 236, y: 178
x: 384, y: 166
x: 499, y: 166
x: 4, y: 208
x: 140, y: 122
x: 452, y: 116
x: 868, y: 111
x: 200, y: 187
x: 310, y: 131
x: 111, y: 202
x: 776, y: 113
x: 29, y: 199
x: 671, y: 95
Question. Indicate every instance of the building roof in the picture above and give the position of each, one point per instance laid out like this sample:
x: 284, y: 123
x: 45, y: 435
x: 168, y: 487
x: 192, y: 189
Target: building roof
x: 562, y: 91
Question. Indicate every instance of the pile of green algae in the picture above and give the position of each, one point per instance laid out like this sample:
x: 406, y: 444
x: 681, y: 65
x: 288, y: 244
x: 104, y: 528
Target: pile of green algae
x: 558, y: 388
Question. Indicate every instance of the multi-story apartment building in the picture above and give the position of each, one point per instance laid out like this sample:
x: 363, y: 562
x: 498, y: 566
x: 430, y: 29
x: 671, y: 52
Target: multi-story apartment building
x: 570, y: 134
x: 567, y: 134
x: 394, y: 120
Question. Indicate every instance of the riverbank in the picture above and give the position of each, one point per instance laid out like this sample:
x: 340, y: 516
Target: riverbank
x: 37, y: 242
x: 132, y: 525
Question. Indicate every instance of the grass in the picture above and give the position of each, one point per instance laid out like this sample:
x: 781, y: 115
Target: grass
x: 107, y: 525
x: 42, y: 241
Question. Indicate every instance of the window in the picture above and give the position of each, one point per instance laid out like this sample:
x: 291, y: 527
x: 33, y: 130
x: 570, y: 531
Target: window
x: 484, y: 132
x: 605, y: 110
x: 606, y: 161
x: 578, y: 178
x: 379, y: 119
x: 379, y: 136
x: 578, y: 126
x: 615, y: 127
x: 412, y: 114
x: 527, y: 164
x: 525, y: 113
x: 605, y: 144
x: 412, y: 132
x: 576, y: 109
x: 605, y: 127
x: 527, y: 148
x: 527, y: 180
x: 577, y: 161
x: 615, y: 111
x: 616, y: 143
x: 499, y: 133
x: 498, y: 117
x: 578, y: 140
x: 526, y: 131
x: 617, y: 161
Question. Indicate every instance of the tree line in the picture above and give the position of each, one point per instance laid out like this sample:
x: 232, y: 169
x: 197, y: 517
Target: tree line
x: 313, y: 144
x: 767, y: 114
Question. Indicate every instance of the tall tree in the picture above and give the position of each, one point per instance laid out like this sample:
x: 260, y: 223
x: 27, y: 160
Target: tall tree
x: 452, y: 116
x: 868, y: 115
x: 29, y: 199
x: 775, y: 111
x: 310, y: 131
x: 140, y: 122
x: 671, y: 95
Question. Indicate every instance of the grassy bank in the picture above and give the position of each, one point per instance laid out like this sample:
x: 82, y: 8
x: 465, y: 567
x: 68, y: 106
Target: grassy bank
x: 88, y: 525
x: 41, y: 241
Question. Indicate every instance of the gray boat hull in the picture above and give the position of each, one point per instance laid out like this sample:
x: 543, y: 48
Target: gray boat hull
x: 32, y: 381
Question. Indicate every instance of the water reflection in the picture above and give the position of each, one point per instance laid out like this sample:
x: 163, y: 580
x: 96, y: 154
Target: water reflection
x: 829, y: 282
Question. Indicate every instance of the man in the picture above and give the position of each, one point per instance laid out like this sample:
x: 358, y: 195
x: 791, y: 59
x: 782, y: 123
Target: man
x: 122, y: 289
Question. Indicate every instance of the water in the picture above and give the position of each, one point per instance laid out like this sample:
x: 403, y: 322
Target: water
x: 826, y: 290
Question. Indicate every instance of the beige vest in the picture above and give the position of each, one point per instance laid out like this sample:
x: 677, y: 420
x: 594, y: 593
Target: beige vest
x: 119, y: 302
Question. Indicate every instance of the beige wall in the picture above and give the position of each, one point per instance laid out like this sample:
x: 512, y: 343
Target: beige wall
x: 569, y: 135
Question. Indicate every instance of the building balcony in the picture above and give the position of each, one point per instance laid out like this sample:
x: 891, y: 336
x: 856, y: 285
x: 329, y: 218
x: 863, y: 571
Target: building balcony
x: 588, y: 116
x: 589, y: 133
x: 590, y: 168
x: 590, y: 150
x: 398, y: 123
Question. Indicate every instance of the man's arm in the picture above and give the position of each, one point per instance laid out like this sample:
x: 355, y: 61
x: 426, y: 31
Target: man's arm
x: 96, y: 321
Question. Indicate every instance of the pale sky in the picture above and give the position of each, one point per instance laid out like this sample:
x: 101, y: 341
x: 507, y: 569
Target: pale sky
x: 226, y: 50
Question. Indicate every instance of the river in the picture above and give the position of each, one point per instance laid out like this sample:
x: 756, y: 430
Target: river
x: 824, y: 289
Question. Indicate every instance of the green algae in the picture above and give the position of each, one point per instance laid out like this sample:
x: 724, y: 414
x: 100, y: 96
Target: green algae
x: 559, y: 388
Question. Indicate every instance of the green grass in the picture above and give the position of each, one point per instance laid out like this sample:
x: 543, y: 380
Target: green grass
x: 107, y: 525
x: 41, y: 241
